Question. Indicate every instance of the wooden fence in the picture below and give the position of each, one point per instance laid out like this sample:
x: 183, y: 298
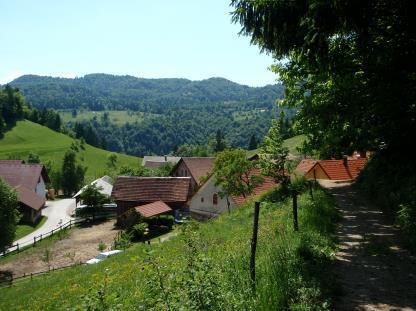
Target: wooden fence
x: 8, y: 281
x: 72, y: 222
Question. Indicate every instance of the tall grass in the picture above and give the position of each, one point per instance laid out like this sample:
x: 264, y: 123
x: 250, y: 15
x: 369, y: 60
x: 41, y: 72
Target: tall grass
x: 206, y: 267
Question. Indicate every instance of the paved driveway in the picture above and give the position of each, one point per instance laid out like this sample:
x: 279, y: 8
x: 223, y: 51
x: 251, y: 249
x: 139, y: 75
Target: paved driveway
x: 58, y: 212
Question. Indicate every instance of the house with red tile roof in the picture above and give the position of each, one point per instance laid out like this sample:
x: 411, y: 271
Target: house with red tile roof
x: 345, y: 169
x: 28, y: 180
x: 153, y: 209
x: 132, y: 191
x: 197, y: 168
x: 207, y: 202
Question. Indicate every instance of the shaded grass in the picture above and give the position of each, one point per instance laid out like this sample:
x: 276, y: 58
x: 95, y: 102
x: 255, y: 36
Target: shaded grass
x: 42, y: 245
x: 25, y: 229
x: 206, y: 265
x: 28, y: 137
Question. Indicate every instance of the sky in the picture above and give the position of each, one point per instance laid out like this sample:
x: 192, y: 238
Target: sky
x: 193, y: 39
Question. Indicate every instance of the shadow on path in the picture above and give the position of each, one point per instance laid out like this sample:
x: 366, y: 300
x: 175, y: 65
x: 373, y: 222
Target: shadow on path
x: 374, y: 272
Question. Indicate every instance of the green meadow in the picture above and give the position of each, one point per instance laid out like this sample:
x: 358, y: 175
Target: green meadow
x: 119, y: 117
x: 206, y: 267
x: 28, y: 137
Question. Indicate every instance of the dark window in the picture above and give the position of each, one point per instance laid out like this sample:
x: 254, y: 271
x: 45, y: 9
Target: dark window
x: 202, y: 199
x: 215, y: 199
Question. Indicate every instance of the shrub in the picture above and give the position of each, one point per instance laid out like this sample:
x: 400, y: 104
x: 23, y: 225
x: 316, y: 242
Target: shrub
x: 138, y: 231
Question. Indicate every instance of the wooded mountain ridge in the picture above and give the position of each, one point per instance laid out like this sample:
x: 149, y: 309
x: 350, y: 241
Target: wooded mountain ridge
x: 166, y: 113
x: 111, y: 92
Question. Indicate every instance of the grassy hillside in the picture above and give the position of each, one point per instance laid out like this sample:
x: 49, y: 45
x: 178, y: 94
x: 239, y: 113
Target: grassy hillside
x: 291, y: 143
x: 115, y: 116
x: 28, y: 137
x: 204, y: 268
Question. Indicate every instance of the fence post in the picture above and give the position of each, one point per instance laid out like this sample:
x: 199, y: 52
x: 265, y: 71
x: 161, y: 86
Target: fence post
x: 17, y: 245
x: 34, y: 240
x: 52, y: 232
x: 254, y: 246
x: 70, y: 221
x: 41, y: 237
x: 295, y: 210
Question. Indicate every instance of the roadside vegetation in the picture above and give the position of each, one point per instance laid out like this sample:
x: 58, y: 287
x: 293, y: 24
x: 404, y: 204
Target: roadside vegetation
x: 25, y: 229
x: 206, y: 266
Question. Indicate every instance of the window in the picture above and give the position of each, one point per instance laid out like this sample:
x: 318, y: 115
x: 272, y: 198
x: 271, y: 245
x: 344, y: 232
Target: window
x: 202, y: 199
x: 215, y: 199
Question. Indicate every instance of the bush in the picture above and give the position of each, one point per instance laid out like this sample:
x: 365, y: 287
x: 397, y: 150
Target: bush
x: 138, y: 231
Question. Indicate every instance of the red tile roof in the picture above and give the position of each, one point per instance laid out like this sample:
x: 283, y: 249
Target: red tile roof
x: 335, y: 169
x: 30, y: 198
x: 268, y: 184
x: 18, y: 174
x: 305, y: 165
x: 153, y: 209
x: 11, y: 161
x: 199, y: 167
x: 151, y: 189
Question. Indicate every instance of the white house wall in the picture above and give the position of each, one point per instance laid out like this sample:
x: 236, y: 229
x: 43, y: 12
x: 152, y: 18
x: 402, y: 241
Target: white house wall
x: 41, y: 188
x: 202, y: 201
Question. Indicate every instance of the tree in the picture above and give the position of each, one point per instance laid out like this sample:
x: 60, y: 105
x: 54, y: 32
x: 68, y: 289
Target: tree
x: 9, y: 215
x: 72, y: 176
x: 273, y: 155
x: 233, y: 171
x: 33, y: 158
x: 220, y: 144
x: 111, y: 161
x: 93, y: 199
x: 347, y: 68
x: 253, y: 143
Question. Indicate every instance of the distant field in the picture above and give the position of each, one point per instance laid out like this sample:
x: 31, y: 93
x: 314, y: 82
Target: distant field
x: 291, y: 143
x: 28, y: 137
x: 115, y: 116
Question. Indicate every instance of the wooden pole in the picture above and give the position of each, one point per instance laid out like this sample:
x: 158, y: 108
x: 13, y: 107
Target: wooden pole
x: 295, y: 210
x: 311, y: 189
x: 254, y: 246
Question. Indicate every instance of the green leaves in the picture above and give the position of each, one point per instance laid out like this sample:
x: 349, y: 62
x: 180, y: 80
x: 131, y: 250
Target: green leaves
x: 9, y: 215
x: 273, y: 154
x: 233, y: 170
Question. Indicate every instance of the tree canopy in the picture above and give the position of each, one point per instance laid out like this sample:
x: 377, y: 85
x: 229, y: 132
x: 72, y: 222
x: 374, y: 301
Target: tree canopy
x: 349, y: 67
x: 232, y: 170
x: 9, y: 215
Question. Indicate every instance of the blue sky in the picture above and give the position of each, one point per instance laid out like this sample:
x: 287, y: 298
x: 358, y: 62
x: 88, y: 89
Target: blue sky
x: 192, y: 39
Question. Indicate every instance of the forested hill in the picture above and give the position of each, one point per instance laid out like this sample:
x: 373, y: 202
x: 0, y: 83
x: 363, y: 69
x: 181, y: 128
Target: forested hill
x: 155, y: 116
x: 110, y: 92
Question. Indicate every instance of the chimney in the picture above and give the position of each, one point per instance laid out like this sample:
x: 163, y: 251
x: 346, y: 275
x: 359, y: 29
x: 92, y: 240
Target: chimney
x: 345, y: 160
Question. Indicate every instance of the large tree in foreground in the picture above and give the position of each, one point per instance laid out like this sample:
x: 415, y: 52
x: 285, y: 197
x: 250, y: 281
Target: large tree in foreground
x: 9, y: 215
x: 349, y: 67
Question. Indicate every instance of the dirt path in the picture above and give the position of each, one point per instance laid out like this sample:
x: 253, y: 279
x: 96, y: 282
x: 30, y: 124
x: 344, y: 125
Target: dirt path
x: 78, y: 246
x: 374, y: 272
